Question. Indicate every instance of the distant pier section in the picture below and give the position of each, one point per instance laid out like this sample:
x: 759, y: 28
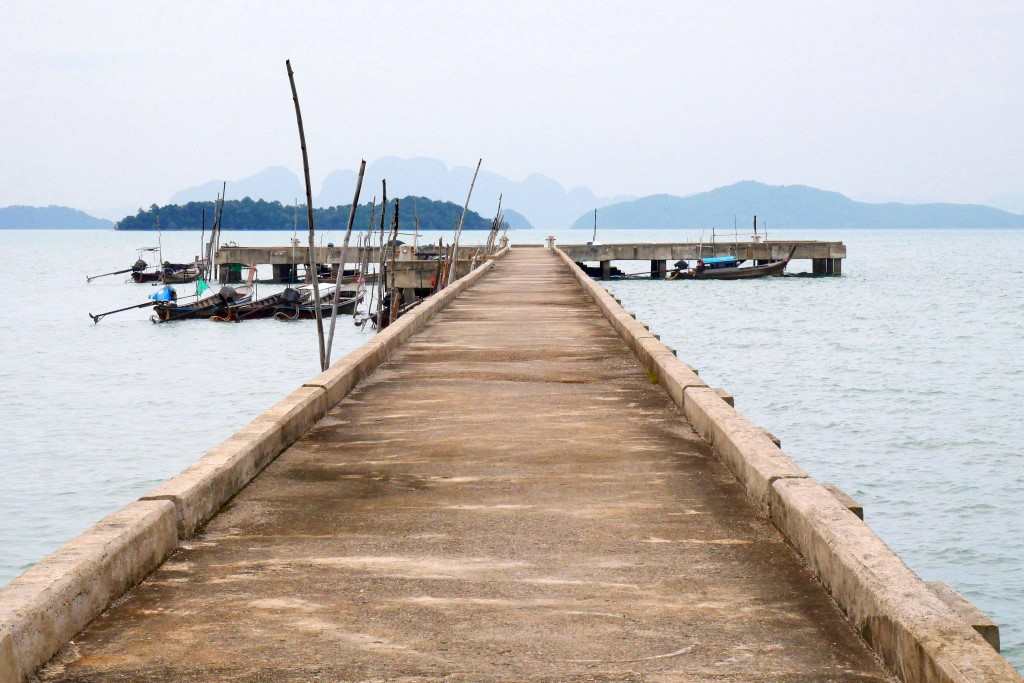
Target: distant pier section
x: 826, y: 257
x: 414, y: 267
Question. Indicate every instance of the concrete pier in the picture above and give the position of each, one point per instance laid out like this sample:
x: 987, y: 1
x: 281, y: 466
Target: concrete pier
x: 826, y: 257
x: 525, y: 486
x: 772, y: 250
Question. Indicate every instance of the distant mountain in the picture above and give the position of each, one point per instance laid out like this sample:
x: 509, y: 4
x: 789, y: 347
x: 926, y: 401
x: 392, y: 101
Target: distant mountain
x: 1010, y: 201
x: 272, y: 184
x: 60, y: 217
x: 790, y: 206
x: 516, y: 220
x: 545, y: 201
x: 249, y: 214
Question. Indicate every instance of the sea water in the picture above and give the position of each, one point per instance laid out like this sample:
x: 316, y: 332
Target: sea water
x: 902, y: 382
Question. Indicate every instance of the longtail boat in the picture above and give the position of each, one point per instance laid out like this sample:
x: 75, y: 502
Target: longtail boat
x: 141, y: 276
x: 168, y: 273
x: 350, y: 298
x: 265, y: 307
x: 177, y: 276
x: 206, y: 307
x: 729, y: 268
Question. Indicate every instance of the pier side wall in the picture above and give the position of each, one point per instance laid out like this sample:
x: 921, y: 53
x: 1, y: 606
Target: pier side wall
x: 48, y: 604
x: 43, y: 608
x: 918, y: 636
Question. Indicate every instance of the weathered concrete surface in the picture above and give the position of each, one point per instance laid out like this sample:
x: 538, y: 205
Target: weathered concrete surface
x: 47, y: 605
x: 846, y: 499
x: 509, y: 497
x: 202, y: 489
x: 916, y: 633
x: 968, y: 612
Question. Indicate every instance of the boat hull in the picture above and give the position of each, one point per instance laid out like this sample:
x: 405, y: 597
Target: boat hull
x: 263, y: 308
x: 179, y: 277
x: 750, y: 273
x: 204, y: 308
x: 346, y: 306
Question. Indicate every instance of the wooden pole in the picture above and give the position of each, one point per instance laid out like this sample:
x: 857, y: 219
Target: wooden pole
x: 202, y: 241
x: 309, y: 219
x: 458, y: 230
x: 396, y: 296
x: 416, y: 227
x: 220, y: 218
x: 344, y: 254
x: 367, y: 246
x: 440, y: 264
x: 380, y: 256
x: 495, y: 226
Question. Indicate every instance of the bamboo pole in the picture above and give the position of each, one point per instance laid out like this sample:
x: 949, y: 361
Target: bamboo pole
x: 309, y: 219
x: 202, y: 243
x: 380, y: 256
x: 396, y: 296
x: 368, y: 245
x: 439, y: 276
x: 220, y: 214
x: 344, y: 254
x: 492, y: 234
x: 458, y: 230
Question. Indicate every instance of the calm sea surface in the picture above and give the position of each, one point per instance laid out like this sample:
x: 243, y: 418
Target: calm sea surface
x: 902, y: 382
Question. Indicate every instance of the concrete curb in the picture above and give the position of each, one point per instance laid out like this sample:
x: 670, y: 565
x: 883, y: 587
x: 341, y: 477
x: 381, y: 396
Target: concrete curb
x: 47, y: 605
x: 919, y: 637
x: 917, y: 634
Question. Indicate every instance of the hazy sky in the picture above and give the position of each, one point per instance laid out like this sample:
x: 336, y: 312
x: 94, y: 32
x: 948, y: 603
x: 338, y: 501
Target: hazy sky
x: 115, y: 104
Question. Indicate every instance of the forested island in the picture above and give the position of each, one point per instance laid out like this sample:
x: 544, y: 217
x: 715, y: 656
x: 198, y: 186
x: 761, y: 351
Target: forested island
x: 249, y: 214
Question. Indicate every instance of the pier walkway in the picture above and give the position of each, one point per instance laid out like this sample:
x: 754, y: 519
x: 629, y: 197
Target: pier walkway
x: 508, y: 497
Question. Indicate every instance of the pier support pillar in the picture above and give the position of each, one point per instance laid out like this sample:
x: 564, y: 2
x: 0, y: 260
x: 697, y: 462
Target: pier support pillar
x: 818, y: 266
x: 837, y: 266
x: 284, y: 272
x: 229, y: 273
x: 659, y: 267
x: 606, y: 270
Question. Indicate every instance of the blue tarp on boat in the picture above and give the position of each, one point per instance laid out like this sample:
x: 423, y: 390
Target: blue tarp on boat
x: 166, y: 293
x: 719, y: 259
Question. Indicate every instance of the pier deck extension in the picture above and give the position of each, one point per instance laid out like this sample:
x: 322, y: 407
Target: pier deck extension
x: 509, y: 497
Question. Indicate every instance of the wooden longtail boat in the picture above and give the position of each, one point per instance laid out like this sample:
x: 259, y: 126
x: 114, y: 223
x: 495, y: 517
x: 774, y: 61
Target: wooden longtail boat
x: 180, y: 276
x: 728, y: 268
x: 168, y: 273
x: 265, y: 307
x: 304, y: 311
x: 209, y: 306
x: 146, y: 276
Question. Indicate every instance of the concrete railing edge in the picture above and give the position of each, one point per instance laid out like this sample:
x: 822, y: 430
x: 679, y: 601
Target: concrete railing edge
x: 49, y: 603
x: 44, y: 607
x: 917, y: 634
